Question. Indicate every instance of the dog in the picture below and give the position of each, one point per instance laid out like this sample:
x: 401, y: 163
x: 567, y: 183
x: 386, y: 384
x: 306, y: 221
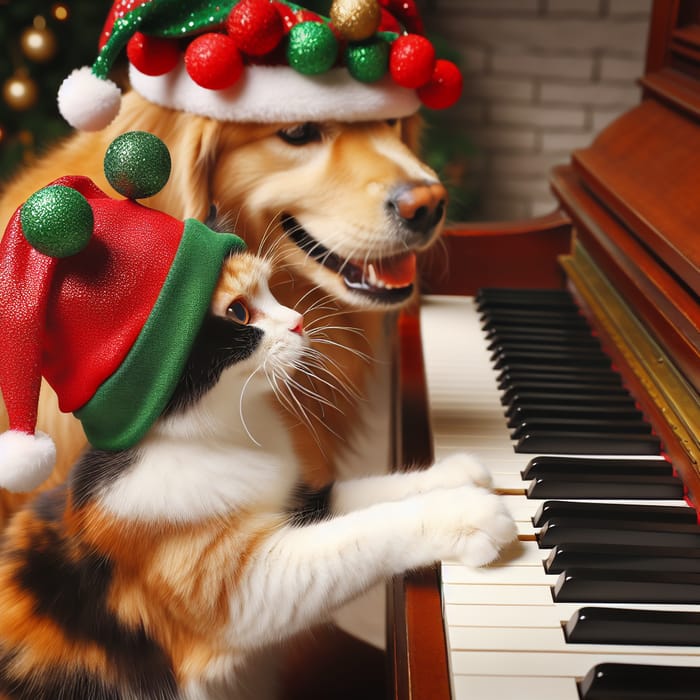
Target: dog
x: 341, y: 209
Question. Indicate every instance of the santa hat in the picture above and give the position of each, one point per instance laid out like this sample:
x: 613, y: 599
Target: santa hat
x: 104, y: 298
x: 264, y: 61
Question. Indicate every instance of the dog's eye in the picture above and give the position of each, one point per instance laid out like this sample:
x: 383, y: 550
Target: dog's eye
x: 392, y: 122
x: 238, y: 312
x: 300, y: 134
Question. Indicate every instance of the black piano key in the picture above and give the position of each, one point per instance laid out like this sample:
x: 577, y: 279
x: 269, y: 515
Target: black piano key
x: 619, y: 532
x: 509, y: 379
x: 504, y: 321
x: 534, y: 426
x: 591, y: 625
x: 571, y: 350
x: 572, y: 388
x: 640, y: 682
x: 526, y: 301
x: 544, y: 332
x: 519, y: 413
x: 561, y: 358
x: 638, y: 557
x: 614, y: 511
x: 541, y: 398
x: 582, y: 371
x: 507, y: 340
x: 617, y: 586
x: 588, y: 443
x: 580, y: 465
x: 658, y: 488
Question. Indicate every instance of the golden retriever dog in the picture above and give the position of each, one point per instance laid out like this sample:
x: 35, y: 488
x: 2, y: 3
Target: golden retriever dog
x: 340, y: 208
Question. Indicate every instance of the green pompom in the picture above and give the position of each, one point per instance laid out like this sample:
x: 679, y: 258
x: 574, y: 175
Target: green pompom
x: 57, y: 221
x: 312, y: 48
x: 368, y: 61
x: 137, y: 164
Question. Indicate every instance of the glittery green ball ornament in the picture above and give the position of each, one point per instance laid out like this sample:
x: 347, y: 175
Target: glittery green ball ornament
x: 137, y: 164
x: 312, y: 48
x: 368, y: 61
x: 57, y: 221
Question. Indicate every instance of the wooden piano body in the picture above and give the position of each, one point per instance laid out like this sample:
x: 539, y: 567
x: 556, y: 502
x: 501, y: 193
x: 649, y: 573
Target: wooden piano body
x: 626, y: 241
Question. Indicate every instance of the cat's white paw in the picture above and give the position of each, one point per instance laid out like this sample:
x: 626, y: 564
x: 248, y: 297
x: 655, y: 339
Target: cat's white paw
x: 460, y: 469
x: 477, y: 523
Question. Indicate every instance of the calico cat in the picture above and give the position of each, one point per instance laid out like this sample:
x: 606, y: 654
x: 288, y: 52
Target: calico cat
x: 162, y: 572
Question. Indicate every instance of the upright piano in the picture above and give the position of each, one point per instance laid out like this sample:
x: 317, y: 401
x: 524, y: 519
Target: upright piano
x: 564, y: 352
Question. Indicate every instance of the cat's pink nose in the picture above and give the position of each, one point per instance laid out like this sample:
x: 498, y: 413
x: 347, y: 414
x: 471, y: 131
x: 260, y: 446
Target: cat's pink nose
x: 297, y: 324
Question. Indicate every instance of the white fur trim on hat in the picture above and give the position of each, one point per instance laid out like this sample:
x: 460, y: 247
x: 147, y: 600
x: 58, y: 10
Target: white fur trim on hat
x: 25, y: 460
x: 280, y: 94
x: 88, y: 102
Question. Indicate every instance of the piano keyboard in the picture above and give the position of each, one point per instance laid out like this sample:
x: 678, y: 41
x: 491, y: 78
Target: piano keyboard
x: 513, y: 629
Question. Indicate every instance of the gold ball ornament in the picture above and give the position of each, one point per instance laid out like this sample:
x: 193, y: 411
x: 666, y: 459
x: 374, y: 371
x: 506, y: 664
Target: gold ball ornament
x: 38, y: 43
x: 20, y: 92
x: 356, y: 19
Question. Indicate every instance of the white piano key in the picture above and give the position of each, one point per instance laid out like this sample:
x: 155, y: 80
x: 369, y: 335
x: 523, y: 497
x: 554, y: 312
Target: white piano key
x: 507, y: 687
x: 533, y: 663
x: 489, y: 594
x: 531, y: 616
x: 550, y: 640
x: 496, y: 576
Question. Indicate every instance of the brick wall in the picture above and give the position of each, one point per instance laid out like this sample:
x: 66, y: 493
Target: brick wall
x: 542, y: 77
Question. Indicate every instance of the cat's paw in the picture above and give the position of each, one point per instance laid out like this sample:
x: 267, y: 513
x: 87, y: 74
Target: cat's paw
x: 460, y: 469
x: 480, y: 524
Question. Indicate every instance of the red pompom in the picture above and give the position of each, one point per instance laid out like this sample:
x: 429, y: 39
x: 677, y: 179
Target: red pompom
x: 289, y: 19
x: 213, y: 61
x: 152, y: 55
x: 412, y: 61
x: 256, y: 26
x: 444, y: 88
x: 389, y: 23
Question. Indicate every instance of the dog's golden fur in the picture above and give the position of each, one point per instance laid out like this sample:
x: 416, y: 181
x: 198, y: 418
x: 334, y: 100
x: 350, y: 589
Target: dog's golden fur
x: 336, y: 185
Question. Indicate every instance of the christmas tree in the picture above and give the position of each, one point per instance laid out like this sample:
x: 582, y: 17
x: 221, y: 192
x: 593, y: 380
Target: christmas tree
x: 42, y: 43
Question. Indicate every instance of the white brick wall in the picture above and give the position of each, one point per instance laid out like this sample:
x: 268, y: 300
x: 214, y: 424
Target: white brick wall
x: 542, y: 78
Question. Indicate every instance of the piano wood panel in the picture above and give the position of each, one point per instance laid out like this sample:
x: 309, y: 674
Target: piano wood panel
x: 513, y: 254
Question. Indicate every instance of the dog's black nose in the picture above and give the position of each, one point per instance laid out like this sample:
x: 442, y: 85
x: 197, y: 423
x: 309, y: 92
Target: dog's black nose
x: 419, y: 208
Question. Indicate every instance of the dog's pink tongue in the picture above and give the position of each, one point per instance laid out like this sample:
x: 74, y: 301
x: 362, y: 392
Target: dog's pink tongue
x: 399, y: 271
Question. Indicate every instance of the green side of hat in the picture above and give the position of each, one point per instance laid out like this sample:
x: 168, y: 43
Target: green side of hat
x: 164, y: 18
x: 127, y: 404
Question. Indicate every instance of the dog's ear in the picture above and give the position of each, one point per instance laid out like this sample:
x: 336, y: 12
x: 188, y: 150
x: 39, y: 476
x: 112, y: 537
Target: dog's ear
x: 193, y: 144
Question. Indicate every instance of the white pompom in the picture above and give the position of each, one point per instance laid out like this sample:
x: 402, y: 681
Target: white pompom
x: 25, y: 460
x: 87, y: 102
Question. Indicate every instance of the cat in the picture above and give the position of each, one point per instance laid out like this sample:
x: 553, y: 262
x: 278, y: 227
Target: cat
x: 168, y: 570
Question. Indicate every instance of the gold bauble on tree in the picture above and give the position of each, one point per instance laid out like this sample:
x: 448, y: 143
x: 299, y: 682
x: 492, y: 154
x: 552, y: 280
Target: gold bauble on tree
x: 20, y: 91
x: 38, y: 42
x: 356, y: 19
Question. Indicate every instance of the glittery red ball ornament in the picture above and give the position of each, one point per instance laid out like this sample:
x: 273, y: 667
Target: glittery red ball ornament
x: 389, y: 23
x: 256, y: 26
x: 412, y: 61
x: 152, y: 55
x: 289, y: 19
x: 213, y: 61
x: 406, y: 11
x: 444, y: 87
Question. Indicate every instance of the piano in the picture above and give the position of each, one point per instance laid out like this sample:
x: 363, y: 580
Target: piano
x: 592, y: 312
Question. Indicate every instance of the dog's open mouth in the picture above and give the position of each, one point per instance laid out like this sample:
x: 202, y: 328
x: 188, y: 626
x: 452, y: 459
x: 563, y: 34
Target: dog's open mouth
x: 388, y: 280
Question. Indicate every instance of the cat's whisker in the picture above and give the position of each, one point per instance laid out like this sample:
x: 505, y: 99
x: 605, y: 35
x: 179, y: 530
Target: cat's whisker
x: 240, y: 407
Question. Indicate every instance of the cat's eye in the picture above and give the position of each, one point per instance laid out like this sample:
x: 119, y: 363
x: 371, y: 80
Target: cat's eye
x: 301, y: 134
x: 238, y: 312
x: 392, y: 122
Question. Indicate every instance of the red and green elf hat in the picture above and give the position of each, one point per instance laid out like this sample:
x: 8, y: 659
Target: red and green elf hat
x: 104, y: 298
x: 265, y: 61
